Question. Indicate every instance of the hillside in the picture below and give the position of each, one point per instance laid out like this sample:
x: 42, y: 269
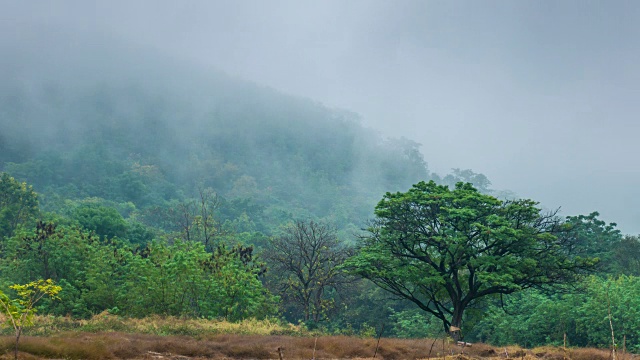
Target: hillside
x: 126, y: 129
x: 155, y: 187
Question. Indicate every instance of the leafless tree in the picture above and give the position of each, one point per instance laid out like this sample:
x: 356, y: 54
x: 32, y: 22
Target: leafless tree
x: 304, y: 260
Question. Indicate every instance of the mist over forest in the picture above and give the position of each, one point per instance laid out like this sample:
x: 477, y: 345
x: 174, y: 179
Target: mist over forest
x: 148, y: 182
x: 127, y: 126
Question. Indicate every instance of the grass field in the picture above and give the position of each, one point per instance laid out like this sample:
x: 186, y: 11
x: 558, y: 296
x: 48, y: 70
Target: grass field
x: 110, y: 337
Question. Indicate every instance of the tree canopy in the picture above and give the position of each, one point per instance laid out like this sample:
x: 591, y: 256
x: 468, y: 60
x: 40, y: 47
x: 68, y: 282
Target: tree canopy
x: 18, y: 203
x: 445, y: 249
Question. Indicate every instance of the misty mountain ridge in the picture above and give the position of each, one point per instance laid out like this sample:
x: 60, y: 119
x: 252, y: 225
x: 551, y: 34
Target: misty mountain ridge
x: 126, y: 126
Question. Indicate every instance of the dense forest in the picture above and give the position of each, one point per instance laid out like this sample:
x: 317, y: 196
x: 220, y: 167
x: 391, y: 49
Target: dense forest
x: 200, y: 195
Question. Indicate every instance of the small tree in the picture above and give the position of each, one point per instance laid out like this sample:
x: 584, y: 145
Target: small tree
x: 20, y: 311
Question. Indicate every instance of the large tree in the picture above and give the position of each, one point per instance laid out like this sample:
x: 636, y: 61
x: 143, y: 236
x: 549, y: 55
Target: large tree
x: 445, y: 249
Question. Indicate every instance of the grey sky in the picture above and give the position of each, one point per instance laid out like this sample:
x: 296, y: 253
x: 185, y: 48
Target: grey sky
x: 540, y: 96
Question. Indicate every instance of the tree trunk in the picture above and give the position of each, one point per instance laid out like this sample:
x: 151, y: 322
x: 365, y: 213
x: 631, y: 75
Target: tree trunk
x: 15, y: 351
x: 307, y: 313
x: 456, y: 322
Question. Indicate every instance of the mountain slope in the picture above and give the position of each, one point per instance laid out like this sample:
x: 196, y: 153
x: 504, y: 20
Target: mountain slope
x: 126, y: 127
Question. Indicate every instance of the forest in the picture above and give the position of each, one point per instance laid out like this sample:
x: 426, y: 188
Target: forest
x: 139, y: 196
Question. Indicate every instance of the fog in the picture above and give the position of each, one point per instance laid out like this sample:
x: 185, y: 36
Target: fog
x: 540, y: 97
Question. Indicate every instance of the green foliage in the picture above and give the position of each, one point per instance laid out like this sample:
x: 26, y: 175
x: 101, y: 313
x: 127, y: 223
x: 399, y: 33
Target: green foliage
x: 623, y: 293
x: 445, y: 250
x: 138, y: 233
x: 530, y: 318
x: 590, y: 236
x: 536, y: 319
x: 180, y: 279
x: 626, y: 256
x: 20, y: 311
x: 239, y: 292
x: 18, y: 205
x: 412, y: 323
x: 183, y: 279
x: 106, y: 222
x: 61, y: 253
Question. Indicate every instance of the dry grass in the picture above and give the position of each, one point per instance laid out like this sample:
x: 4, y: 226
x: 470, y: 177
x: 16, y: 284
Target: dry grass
x: 107, y: 336
x: 118, y: 345
x: 158, y: 325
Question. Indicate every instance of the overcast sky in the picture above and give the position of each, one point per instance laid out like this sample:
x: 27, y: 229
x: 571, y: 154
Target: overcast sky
x: 540, y: 96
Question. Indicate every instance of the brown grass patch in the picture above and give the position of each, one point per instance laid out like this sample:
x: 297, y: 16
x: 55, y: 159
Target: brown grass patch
x: 55, y: 347
x: 118, y: 345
